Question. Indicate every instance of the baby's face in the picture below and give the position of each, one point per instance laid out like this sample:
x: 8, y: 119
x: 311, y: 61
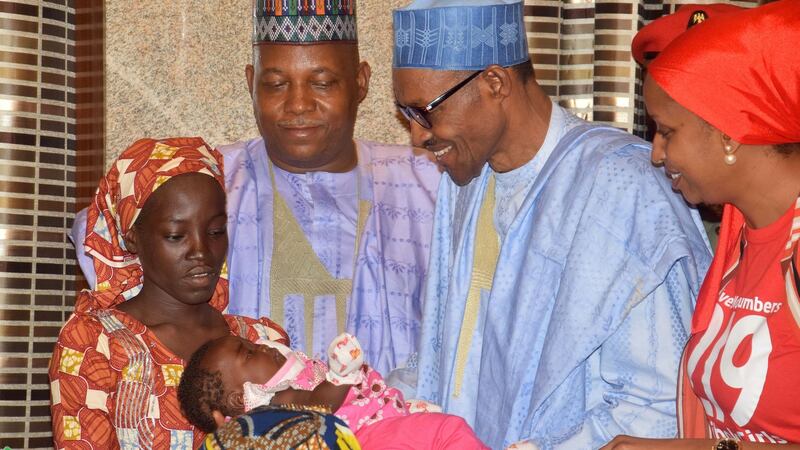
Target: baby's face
x: 240, y: 361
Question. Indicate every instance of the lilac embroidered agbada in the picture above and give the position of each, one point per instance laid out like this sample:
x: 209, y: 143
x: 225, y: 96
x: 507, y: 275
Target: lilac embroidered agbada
x: 384, y: 309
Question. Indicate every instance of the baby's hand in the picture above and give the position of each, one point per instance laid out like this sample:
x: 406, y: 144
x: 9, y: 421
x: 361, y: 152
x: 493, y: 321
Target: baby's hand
x: 422, y: 406
x: 345, y: 359
x: 523, y: 445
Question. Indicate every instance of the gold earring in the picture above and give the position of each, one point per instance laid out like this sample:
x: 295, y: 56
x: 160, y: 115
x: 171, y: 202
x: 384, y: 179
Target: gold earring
x: 730, y: 158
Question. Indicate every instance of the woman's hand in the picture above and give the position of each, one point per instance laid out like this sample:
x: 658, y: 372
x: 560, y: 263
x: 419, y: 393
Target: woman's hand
x: 623, y: 442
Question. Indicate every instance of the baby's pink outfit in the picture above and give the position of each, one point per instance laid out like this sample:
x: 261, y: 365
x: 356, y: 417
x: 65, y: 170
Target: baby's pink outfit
x: 375, y: 413
x: 369, y: 400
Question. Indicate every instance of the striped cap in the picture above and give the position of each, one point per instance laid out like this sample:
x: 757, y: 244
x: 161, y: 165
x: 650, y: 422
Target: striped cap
x: 304, y: 21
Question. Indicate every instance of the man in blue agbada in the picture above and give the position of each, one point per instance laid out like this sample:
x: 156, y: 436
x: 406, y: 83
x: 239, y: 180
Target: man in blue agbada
x: 326, y: 234
x: 563, y: 266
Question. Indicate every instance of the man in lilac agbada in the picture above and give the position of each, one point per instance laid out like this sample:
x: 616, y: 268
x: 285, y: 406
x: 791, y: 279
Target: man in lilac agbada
x: 326, y: 234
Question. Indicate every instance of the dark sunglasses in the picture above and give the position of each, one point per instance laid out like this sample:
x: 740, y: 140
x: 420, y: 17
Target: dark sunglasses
x: 420, y: 115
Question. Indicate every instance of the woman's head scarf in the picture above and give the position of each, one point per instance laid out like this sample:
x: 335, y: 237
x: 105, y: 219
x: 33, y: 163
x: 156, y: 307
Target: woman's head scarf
x: 136, y: 174
x: 740, y: 73
x: 658, y: 34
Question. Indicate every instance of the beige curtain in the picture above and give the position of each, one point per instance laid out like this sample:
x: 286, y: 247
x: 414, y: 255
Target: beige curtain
x: 51, y: 109
x: 581, y: 52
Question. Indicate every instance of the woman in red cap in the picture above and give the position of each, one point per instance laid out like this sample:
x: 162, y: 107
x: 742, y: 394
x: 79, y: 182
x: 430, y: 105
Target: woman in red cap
x: 726, y: 99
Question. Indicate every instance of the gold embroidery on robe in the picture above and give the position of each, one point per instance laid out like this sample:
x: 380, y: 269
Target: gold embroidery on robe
x: 297, y: 270
x: 484, y: 262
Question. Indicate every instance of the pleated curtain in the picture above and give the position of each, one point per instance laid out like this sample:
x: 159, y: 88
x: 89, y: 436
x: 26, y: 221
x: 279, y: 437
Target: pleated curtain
x: 581, y: 52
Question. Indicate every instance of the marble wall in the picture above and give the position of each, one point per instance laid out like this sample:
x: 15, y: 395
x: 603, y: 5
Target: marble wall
x: 177, y: 68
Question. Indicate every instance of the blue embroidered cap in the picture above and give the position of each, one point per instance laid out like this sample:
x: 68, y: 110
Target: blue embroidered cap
x: 459, y: 34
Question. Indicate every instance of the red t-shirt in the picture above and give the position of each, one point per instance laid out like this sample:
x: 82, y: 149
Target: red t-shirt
x: 744, y: 367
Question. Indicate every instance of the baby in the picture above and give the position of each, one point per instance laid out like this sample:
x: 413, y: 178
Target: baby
x: 233, y: 376
x: 230, y: 376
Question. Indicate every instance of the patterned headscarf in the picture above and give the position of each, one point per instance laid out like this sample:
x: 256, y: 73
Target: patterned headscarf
x: 136, y: 174
x: 292, y: 427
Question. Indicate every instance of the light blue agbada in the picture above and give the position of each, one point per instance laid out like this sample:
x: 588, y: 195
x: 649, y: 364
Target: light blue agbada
x: 575, y: 333
x: 579, y: 338
x: 384, y: 309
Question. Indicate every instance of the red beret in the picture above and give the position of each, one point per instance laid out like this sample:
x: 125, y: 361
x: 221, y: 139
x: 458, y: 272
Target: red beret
x: 740, y: 72
x: 656, y: 35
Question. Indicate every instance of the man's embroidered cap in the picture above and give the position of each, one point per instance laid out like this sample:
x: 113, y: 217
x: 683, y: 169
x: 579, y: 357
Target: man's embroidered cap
x: 304, y: 21
x: 459, y: 34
